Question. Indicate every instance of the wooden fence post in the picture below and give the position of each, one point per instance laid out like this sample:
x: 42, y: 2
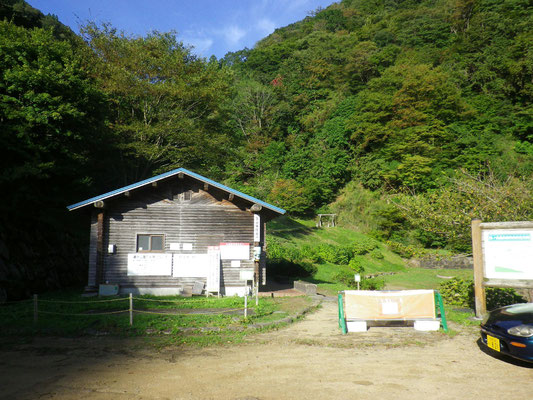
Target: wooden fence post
x: 131, y: 309
x: 477, y: 253
x: 35, y: 309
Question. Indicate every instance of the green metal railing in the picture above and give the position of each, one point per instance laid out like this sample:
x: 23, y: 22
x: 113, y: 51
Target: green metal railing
x: 342, y: 320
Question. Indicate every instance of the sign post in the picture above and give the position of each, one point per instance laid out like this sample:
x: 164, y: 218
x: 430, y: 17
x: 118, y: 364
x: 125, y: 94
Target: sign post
x: 477, y: 254
x: 357, y: 278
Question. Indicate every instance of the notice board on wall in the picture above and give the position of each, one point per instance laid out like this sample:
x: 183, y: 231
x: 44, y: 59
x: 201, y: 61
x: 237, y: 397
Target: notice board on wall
x: 143, y: 264
x: 213, y: 274
x: 190, y: 265
x: 235, y: 251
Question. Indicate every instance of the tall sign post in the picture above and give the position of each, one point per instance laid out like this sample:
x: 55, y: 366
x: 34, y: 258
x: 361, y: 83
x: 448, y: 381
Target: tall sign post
x: 477, y: 254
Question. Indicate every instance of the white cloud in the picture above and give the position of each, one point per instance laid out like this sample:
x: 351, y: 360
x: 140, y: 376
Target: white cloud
x: 266, y: 26
x: 233, y: 34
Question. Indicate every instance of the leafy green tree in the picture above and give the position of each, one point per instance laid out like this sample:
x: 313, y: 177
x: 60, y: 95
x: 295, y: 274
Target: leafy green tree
x: 168, y: 104
x: 51, y: 114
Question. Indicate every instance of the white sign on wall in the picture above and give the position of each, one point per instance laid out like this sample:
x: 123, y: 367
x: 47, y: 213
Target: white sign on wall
x: 257, y: 228
x: 175, y: 246
x: 235, y: 251
x: 143, y: 264
x: 213, y: 275
x: 508, y: 253
x: 190, y: 265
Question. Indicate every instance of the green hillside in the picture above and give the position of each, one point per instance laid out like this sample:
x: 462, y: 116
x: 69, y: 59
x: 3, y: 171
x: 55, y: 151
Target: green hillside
x: 331, y: 256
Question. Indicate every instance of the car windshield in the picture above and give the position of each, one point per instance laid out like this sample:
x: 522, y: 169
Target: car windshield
x: 520, y: 308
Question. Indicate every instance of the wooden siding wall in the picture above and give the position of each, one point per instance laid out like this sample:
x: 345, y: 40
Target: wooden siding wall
x: 207, y: 219
x: 91, y: 283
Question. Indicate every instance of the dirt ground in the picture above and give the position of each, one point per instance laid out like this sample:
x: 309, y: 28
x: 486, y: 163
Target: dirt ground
x: 309, y: 359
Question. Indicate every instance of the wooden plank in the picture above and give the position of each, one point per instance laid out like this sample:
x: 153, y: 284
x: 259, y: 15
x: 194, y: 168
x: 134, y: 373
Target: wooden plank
x: 506, y: 283
x: 507, y: 225
x: 477, y: 252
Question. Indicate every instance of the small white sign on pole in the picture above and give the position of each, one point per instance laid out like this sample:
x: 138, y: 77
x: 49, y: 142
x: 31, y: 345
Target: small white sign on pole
x: 246, y: 275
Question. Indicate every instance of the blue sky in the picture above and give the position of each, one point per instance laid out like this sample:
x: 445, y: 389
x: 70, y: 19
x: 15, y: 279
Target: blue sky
x: 211, y: 26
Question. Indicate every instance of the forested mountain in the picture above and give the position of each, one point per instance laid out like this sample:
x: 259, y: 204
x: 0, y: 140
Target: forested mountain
x: 407, y: 118
x: 417, y: 97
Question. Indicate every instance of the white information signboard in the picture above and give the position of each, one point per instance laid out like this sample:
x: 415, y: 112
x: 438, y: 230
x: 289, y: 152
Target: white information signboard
x: 190, y: 265
x: 235, y: 251
x: 508, y: 253
x: 143, y: 264
x: 213, y: 274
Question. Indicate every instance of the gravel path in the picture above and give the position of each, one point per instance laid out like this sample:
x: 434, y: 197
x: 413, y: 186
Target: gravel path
x: 307, y: 359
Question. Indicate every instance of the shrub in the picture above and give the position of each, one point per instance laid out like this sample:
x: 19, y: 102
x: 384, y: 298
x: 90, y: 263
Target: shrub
x: 403, y: 250
x: 460, y: 292
x: 376, y: 254
x: 346, y: 278
x: 283, y: 267
x: 326, y: 253
x: 363, y: 246
x: 356, y: 266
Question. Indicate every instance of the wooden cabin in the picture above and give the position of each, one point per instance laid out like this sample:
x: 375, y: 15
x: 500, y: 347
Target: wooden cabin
x: 174, y: 231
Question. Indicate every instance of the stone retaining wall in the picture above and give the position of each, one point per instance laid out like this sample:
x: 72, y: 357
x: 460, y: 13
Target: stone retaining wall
x: 305, y: 287
x: 434, y: 262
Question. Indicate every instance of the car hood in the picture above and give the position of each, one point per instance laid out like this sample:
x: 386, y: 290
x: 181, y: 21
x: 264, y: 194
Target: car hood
x: 507, y: 317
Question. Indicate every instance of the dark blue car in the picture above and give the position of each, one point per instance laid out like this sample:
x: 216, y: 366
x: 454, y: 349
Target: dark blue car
x: 509, y: 330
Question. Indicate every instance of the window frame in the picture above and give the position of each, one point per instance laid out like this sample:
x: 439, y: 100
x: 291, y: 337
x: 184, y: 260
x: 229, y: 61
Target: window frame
x: 150, y: 236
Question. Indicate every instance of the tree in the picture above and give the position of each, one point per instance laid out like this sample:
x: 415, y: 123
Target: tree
x: 51, y: 113
x: 167, y: 103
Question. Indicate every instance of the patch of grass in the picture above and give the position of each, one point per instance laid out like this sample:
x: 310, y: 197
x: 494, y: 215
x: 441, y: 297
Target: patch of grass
x: 461, y: 317
x: 419, y: 278
x: 172, y: 319
x: 297, y: 236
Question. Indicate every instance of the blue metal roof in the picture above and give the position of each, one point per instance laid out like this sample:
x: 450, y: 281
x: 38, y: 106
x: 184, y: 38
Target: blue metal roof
x: 166, y: 175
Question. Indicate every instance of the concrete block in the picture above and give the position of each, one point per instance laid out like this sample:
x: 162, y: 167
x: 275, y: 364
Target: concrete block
x: 356, y: 326
x: 427, y: 325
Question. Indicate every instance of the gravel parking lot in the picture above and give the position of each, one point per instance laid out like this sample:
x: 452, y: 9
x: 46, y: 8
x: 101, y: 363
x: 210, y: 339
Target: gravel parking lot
x: 307, y: 359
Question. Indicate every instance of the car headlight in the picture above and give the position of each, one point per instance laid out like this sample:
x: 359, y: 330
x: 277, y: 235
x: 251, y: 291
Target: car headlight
x: 521, y: 330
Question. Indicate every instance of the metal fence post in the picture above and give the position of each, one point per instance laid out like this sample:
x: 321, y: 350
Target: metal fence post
x: 35, y: 309
x: 131, y: 309
x: 246, y: 306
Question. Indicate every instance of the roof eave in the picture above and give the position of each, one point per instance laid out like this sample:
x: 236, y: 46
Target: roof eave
x: 165, y: 175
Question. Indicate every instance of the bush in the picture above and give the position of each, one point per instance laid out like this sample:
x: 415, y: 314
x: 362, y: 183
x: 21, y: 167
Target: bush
x: 346, y: 278
x: 460, y: 292
x: 356, y: 266
x: 376, y: 254
x: 363, y: 246
x: 403, y: 250
x: 282, y: 267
